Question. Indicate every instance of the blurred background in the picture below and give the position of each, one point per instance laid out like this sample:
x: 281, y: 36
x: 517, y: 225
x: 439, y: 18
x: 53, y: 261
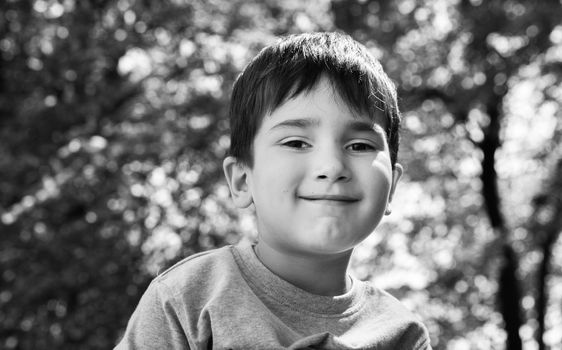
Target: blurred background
x: 113, y: 126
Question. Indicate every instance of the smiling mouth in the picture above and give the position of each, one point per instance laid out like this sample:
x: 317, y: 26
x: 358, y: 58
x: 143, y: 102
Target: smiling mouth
x: 335, y: 199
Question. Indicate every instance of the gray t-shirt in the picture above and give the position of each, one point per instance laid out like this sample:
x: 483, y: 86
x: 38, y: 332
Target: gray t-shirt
x: 227, y: 299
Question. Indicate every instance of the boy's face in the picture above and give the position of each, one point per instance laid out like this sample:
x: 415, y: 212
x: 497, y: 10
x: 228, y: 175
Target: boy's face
x: 321, y: 177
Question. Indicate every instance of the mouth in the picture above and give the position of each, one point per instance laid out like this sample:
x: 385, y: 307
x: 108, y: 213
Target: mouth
x: 330, y: 198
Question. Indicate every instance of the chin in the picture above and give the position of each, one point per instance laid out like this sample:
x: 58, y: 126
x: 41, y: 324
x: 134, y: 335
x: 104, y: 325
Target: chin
x: 336, y: 241
x: 329, y: 247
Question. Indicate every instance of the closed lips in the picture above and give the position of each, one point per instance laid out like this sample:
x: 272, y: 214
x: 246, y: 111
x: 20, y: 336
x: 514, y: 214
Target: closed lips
x: 328, y: 197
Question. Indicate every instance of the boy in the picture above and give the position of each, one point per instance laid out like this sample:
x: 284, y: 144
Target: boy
x: 314, y: 124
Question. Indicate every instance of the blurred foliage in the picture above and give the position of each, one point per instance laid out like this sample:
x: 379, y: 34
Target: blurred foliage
x: 113, y: 123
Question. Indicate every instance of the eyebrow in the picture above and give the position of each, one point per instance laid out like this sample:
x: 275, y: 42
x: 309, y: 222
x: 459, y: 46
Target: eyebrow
x: 301, y: 123
x: 354, y: 125
x: 363, y: 126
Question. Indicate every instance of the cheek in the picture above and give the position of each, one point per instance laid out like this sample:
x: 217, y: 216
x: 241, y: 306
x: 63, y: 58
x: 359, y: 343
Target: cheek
x: 381, y: 169
x: 271, y: 180
x: 382, y: 164
x: 378, y: 183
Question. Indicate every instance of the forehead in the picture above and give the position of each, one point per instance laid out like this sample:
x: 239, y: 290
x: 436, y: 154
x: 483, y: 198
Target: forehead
x: 322, y: 99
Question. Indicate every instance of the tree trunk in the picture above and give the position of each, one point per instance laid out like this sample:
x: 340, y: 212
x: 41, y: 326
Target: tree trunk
x: 551, y: 202
x: 542, y: 298
x: 509, y: 294
x: 508, y: 299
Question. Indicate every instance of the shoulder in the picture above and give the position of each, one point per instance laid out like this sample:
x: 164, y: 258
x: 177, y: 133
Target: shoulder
x: 174, y: 306
x: 386, y: 303
x: 402, y: 324
x: 197, y: 271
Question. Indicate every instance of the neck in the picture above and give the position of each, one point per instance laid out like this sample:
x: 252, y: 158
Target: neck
x: 318, y: 274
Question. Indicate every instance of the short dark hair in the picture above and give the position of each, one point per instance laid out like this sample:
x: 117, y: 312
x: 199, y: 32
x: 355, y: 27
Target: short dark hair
x: 294, y: 65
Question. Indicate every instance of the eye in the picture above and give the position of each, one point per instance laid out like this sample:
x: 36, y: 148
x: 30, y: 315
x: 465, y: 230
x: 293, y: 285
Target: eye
x: 360, y: 147
x: 297, y: 144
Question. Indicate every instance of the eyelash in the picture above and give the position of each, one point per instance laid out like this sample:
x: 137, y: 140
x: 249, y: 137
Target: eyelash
x: 293, y: 144
x: 299, y: 144
x: 365, y: 147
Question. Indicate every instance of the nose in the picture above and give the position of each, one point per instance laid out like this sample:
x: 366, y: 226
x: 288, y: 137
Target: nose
x: 331, y: 165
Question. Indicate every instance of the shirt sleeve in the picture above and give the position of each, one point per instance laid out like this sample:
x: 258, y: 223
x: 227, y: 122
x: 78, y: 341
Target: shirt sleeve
x: 423, y: 342
x: 155, y: 323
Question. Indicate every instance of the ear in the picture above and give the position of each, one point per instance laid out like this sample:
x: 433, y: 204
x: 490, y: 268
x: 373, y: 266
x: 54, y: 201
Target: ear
x: 236, y: 174
x: 396, y: 175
